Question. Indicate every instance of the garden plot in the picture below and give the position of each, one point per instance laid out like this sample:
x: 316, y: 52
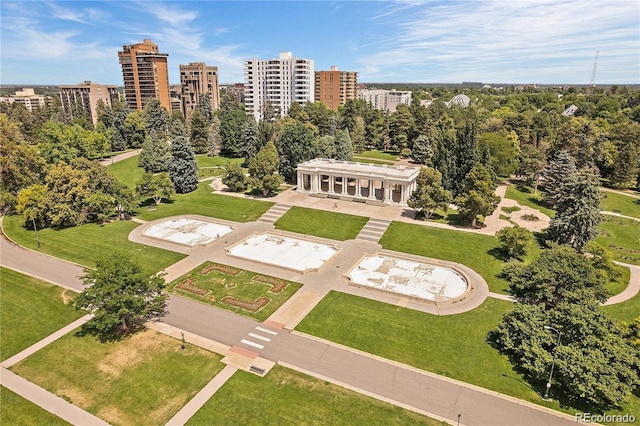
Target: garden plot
x: 187, y: 231
x: 290, y: 253
x: 409, y: 278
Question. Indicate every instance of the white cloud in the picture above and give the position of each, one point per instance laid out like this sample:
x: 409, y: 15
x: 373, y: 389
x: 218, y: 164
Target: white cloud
x: 169, y: 14
x: 479, y: 40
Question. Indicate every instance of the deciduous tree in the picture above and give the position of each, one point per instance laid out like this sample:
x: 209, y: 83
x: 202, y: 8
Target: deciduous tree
x: 514, y: 241
x: 430, y: 195
x: 234, y: 177
x: 263, y: 169
x: 478, y: 197
x: 120, y: 295
x: 155, y: 186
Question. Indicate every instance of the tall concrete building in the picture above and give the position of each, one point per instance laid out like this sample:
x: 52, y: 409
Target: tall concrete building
x: 198, y: 80
x: 279, y: 82
x: 385, y: 100
x: 333, y: 88
x: 145, y: 74
x: 86, y: 95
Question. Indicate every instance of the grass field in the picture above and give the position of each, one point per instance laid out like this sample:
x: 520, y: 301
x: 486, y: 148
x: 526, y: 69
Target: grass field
x: 359, y: 159
x: 453, y: 346
x: 472, y: 250
x: 141, y: 380
x: 241, y: 286
x: 325, y: 224
x: 206, y: 161
x: 203, y: 202
x: 619, y: 203
x: 30, y: 310
x: 620, y: 237
x: 287, y: 397
x: 379, y: 155
x: 617, y: 286
x: 84, y: 244
x: 528, y: 199
x: 625, y: 311
x: 15, y: 410
x: 127, y: 171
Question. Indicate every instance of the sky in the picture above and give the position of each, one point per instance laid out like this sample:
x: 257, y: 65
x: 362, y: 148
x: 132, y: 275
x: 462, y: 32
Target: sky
x: 501, y: 41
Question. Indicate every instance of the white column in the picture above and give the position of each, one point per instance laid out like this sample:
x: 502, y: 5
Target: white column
x: 372, y: 190
x: 344, y: 185
x: 299, y: 182
x: 403, y: 196
x: 331, y: 184
x: 358, y: 188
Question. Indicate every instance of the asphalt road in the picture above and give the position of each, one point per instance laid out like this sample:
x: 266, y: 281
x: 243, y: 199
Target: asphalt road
x: 417, y: 389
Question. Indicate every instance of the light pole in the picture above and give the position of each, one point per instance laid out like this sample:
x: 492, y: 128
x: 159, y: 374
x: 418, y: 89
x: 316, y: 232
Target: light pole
x: 33, y: 219
x: 553, y: 363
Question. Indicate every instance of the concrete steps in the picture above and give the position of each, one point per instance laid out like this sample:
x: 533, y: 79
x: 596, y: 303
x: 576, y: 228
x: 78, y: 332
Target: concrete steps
x: 274, y: 213
x: 373, y: 230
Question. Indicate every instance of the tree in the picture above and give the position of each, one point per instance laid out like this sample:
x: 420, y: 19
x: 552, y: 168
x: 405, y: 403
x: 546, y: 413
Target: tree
x: 155, y: 186
x: 531, y: 164
x: 422, y: 150
x: 514, y: 241
x: 626, y: 165
x: 344, y: 148
x: 135, y: 129
x: 156, y: 119
x: 295, y: 145
x: 558, y: 173
x: 234, y: 177
x: 198, y: 132
x: 59, y: 142
x: 232, y: 117
x: 558, y: 275
x: 183, y: 168
x: 249, y: 140
x: 429, y: 195
x: 263, y: 169
x: 465, y: 154
x: 503, y: 152
x: 358, y: 135
x: 478, y: 197
x: 578, y: 212
x: 214, y: 143
x: 120, y: 295
x: 594, y: 367
x: 155, y: 155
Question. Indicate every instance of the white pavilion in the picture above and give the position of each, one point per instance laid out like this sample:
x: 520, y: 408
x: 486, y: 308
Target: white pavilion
x: 364, y: 182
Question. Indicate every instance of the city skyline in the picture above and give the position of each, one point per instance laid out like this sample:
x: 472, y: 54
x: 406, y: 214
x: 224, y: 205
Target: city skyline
x: 543, y: 42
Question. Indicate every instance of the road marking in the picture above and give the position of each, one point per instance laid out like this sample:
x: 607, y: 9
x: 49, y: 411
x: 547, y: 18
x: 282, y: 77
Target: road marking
x: 264, y: 330
x: 250, y: 343
x: 257, y: 336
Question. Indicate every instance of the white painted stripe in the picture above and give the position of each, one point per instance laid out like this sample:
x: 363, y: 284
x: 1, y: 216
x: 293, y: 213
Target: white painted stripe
x: 264, y: 330
x: 255, y: 345
x: 257, y: 336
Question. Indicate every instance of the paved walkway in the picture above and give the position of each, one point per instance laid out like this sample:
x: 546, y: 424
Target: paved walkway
x: 120, y: 157
x: 619, y: 215
x: 632, y: 289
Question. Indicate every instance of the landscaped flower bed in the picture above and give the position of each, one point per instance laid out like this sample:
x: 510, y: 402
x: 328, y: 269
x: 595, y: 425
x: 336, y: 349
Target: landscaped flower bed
x: 190, y: 286
x: 254, y: 306
x: 229, y: 270
x: 277, y: 285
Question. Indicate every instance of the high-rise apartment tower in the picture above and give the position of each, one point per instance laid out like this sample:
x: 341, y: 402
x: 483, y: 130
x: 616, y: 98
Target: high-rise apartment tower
x: 145, y: 74
x: 86, y: 95
x: 198, y: 80
x: 277, y: 83
x: 333, y: 88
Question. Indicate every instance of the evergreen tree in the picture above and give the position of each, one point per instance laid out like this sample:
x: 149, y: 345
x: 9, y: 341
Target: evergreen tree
x: 234, y: 177
x: 263, y: 169
x: 430, y: 195
x: 249, y: 140
x: 183, y: 169
x: 478, y: 196
x: 358, y: 135
x: 232, y: 118
x: 156, y: 118
x: 205, y: 107
x: 422, y: 150
x: 559, y: 172
x: 326, y: 146
x: 155, y: 155
x: 176, y: 128
x: 214, y: 143
x: 344, y: 149
x: 466, y: 156
x: 578, y: 212
x: 198, y: 132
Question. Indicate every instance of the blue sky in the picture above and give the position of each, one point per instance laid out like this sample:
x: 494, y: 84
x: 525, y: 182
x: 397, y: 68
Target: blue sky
x: 509, y: 41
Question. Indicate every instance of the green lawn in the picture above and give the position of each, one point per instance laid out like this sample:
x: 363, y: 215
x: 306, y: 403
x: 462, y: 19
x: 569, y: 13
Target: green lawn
x: 241, y: 286
x: 453, y: 346
x: 287, y: 397
x: 625, y: 311
x: 30, y: 310
x: 325, y: 224
x: 528, y: 199
x: 141, y: 380
x: 379, y: 155
x: 15, y: 410
x: 621, y: 237
x: 127, y: 171
x: 203, y: 202
x: 619, y: 203
x: 371, y: 161
x: 206, y: 161
x: 472, y: 250
x: 617, y: 286
x: 84, y: 244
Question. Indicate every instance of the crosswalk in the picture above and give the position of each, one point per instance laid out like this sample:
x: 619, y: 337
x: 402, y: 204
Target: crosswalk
x: 258, y: 337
